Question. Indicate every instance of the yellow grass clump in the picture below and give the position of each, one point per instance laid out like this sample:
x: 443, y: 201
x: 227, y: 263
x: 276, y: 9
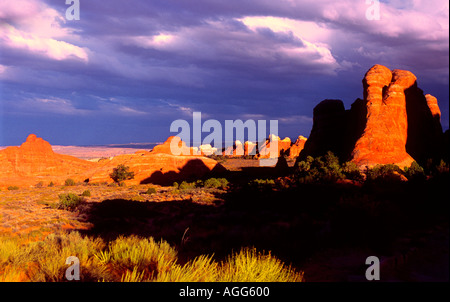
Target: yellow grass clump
x: 131, y: 259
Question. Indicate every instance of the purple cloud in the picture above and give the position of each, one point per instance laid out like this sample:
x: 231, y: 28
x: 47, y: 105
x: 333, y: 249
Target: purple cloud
x: 147, y: 62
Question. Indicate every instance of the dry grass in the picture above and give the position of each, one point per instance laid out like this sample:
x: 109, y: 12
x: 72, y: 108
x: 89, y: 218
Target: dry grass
x: 130, y: 259
x: 36, y: 238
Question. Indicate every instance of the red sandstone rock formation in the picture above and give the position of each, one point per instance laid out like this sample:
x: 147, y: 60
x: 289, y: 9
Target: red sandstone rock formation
x: 297, y: 147
x: 158, y: 168
x: 249, y: 148
x: 236, y: 150
x: 283, y: 146
x: 394, y: 123
x: 384, y: 138
x: 35, y: 160
x: 165, y: 147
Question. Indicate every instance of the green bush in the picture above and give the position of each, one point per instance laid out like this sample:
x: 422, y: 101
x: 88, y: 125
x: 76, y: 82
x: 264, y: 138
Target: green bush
x: 415, y: 172
x: 262, y: 184
x: 69, y: 201
x: 442, y: 168
x: 352, y: 172
x: 384, y: 173
x: 13, y: 188
x: 216, y: 183
x: 121, y: 173
x: 86, y: 193
x: 320, y: 169
x: 69, y: 182
x: 187, y: 185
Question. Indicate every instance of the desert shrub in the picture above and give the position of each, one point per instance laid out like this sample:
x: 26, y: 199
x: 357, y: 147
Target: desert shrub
x: 200, y: 269
x: 352, y: 172
x: 283, y: 183
x: 187, y: 185
x: 384, y: 173
x: 51, y: 184
x: 86, y: 193
x: 138, y: 257
x: 44, y: 260
x: 69, y: 201
x: 414, y: 172
x: 13, y: 188
x: 262, y: 184
x: 442, y: 168
x: 132, y: 276
x: 250, y: 266
x: 69, y: 182
x: 320, y: 169
x: 216, y: 183
x: 121, y: 173
x: 150, y: 191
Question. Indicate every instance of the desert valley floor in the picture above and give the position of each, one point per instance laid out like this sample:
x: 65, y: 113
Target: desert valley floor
x: 295, y: 226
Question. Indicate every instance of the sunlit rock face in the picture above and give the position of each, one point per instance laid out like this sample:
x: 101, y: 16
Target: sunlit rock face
x: 395, y: 123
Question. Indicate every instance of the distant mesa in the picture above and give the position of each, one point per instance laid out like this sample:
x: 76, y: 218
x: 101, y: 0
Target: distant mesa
x: 395, y: 123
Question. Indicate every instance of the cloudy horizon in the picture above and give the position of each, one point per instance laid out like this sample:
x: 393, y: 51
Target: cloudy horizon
x: 127, y: 69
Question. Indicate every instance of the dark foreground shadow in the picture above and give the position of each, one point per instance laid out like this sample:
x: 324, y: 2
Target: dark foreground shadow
x: 196, y: 229
x: 294, y: 224
x: 193, y: 170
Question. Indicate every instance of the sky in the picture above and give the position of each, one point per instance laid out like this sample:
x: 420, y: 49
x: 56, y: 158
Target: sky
x: 126, y: 70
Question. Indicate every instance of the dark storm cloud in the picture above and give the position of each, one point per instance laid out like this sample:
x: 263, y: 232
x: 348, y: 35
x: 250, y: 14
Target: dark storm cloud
x: 143, y: 64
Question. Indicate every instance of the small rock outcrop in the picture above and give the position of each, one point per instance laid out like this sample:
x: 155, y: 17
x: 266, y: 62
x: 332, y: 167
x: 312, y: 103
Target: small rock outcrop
x: 297, y: 147
x: 165, y: 147
x: 283, y: 146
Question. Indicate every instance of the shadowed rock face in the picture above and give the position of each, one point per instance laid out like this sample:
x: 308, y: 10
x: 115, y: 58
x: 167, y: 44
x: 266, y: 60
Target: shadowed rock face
x: 394, y: 123
x: 327, y: 131
x: 159, y: 168
x: 425, y: 137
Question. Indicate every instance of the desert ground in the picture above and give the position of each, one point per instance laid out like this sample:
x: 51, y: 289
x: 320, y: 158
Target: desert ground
x: 324, y: 231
